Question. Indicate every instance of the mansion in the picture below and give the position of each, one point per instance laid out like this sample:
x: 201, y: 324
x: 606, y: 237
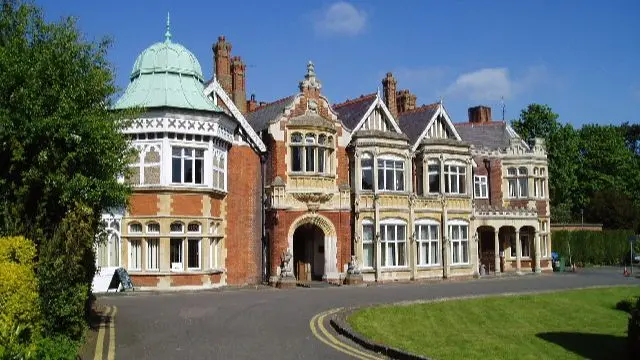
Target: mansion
x: 223, y: 185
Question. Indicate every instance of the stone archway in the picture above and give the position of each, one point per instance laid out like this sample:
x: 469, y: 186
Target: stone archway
x: 308, y: 253
x: 316, y: 224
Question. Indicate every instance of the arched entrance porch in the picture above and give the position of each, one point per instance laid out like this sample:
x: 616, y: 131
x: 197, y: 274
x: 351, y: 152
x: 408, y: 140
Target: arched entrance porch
x: 308, y: 253
x: 312, y: 240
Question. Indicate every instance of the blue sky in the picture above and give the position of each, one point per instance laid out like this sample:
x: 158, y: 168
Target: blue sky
x: 580, y: 57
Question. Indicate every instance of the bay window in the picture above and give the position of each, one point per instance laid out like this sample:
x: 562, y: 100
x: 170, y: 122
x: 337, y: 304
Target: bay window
x: 539, y: 188
x: 518, y: 182
x: 187, y: 165
x: 480, y: 187
x: 459, y: 237
x: 523, y: 183
x: 390, y: 174
x: 367, y: 243
x: 393, y: 243
x: 454, y: 179
x: 427, y: 242
x: 366, y: 166
x: 312, y: 153
x: 219, y: 172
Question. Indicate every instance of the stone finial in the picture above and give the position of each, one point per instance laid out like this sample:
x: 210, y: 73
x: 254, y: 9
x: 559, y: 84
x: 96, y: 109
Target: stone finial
x: 310, y: 81
x: 167, y: 34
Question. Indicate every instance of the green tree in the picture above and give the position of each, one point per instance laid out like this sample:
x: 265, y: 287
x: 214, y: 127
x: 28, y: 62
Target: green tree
x: 539, y: 121
x: 605, y: 163
x: 60, y: 146
x: 614, y: 209
x: 59, y: 142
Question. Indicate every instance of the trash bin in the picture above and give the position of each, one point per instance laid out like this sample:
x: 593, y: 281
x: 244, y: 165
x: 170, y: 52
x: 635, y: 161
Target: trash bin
x: 561, y: 264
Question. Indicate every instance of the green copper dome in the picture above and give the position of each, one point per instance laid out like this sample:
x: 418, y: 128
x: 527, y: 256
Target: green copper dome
x: 166, y: 74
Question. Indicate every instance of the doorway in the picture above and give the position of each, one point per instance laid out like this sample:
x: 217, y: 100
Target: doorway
x: 308, y: 253
x: 487, y: 251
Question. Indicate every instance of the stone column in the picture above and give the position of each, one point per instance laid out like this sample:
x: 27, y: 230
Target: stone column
x: 411, y: 240
x: 537, y: 250
x: 446, y: 250
x: 425, y: 175
x: 357, y: 167
x: 442, y: 174
x: 518, y: 251
x: 376, y: 238
x: 497, y: 250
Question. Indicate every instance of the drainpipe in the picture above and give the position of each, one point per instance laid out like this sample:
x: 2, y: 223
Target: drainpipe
x: 265, y: 244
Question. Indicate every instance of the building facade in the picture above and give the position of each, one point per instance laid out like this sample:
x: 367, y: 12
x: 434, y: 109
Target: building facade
x: 224, y: 187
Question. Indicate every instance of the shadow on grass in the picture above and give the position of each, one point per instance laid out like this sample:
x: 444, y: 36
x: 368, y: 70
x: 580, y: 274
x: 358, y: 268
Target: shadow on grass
x: 590, y: 346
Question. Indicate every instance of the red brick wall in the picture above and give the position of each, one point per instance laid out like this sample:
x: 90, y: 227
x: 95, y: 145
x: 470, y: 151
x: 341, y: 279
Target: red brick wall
x: 216, y: 205
x: 186, y: 205
x: 143, y: 204
x: 243, y: 241
x: 150, y: 281
x: 541, y: 206
x: 186, y: 279
x: 279, y: 230
x: 495, y: 186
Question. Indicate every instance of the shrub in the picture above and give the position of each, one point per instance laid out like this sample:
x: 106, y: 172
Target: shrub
x: 65, y: 271
x: 608, y: 247
x: 20, y: 317
x: 56, y: 348
x: 626, y: 305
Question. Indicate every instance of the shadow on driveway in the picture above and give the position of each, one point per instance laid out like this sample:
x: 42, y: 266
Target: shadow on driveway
x: 589, y: 346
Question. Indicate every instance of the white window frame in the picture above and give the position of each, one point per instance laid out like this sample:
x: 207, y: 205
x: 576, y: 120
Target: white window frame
x: 135, y: 254
x: 189, y: 153
x: 386, y: 242
x: 458, y: 171
x: 171, y: 231
x: 153, y: 253
x: 463, y: 242
x: 435, y: 164
x: 309, y: 145
x: 425, y: 238
x: 369, y: 242
x: 153, y: 231
x: 219, y: 172
x: 480, y: 187
x: 133, y: 231
x: 199, y: 254
x: 394, y: 160
x: 523, y: 182
x: 370, y: 168
x: 181, y: 253
x: 512, y: 182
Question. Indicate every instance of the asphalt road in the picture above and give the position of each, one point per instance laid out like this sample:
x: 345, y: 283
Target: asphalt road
x: 274, y: 324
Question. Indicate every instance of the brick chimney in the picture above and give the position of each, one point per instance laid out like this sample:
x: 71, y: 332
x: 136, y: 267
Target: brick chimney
x: 389, y: 93
x: 406, y: 101
x: 238, y: 79
x: 222, y: 55
x: 479, y: 114
x: 252, y: 104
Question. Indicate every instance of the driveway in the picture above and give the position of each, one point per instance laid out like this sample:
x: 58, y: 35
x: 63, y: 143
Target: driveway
x: 274, y: 324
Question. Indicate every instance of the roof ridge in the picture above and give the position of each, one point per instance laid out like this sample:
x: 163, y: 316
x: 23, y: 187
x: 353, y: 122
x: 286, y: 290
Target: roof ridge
x: 272, y: 103
x: 420, y: 108
x: 353, y: 101
x: 493, y: 122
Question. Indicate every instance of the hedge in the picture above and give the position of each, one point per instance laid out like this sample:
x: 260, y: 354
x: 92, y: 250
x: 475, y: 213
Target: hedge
x: 607, y: 247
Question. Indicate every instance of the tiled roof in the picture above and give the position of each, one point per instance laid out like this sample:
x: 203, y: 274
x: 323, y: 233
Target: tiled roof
x: 413, y: 122
x: 260, y: 117
x: 352, y: 111
x: 491, y: 135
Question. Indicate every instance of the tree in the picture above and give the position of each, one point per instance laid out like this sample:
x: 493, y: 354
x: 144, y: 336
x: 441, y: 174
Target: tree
x: 61, y: 151
x: 614, y: 209
x: 539, y: 121
x: 59, y: 142
x: 631, y: 133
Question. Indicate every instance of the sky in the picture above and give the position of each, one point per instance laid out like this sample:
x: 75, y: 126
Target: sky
x: 582, y: 58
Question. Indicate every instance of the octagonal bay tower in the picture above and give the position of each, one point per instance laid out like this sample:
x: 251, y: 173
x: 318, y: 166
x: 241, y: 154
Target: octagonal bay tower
x: 194, y: 217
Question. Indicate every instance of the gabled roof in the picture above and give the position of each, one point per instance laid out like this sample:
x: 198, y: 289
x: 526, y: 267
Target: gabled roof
x: 414, y: 122
x: 214, y: 88
x: 492, y: 135
x: 352, y: 111
x: 263, y: 115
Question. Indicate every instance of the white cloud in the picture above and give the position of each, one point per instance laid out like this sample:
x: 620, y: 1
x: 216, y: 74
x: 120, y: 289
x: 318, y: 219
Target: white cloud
x: 341, y: 18
x: 490, y: 84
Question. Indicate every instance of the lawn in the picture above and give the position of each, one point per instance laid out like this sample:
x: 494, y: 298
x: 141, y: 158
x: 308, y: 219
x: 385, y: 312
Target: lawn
x: 573, y: 324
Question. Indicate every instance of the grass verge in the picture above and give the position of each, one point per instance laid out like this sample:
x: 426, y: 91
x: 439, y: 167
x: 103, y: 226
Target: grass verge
x: 574, y: 324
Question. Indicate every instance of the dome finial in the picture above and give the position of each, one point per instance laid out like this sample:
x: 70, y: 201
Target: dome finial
x: 167, y: 34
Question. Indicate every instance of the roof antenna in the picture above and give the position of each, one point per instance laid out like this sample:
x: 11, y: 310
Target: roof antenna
x: 503, y: 106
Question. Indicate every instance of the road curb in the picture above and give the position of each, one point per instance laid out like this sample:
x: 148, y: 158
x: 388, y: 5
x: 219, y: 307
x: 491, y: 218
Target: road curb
x: 339, y: 323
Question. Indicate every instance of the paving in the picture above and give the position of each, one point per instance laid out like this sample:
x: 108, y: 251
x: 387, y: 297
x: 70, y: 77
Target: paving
x: 267, y: 323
